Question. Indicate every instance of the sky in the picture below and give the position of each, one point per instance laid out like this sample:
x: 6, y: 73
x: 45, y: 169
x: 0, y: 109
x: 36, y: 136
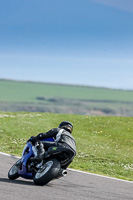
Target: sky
x: 80, y: 42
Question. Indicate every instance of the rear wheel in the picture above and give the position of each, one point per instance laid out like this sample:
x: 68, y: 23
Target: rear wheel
x: 13, y: 172
x: 48, y: 172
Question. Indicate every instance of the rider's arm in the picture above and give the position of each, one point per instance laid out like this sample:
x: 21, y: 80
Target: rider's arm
x: 52, y: 133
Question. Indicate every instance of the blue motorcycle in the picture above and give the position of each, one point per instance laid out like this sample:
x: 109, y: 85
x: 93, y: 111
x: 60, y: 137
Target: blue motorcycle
x: 41, y: 172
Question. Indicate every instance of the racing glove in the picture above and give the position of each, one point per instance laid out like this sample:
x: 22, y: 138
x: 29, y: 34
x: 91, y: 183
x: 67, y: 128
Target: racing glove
x: 33, y: 140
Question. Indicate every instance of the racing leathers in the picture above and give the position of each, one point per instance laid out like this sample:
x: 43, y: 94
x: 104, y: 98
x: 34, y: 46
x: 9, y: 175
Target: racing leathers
x: 63, y: 142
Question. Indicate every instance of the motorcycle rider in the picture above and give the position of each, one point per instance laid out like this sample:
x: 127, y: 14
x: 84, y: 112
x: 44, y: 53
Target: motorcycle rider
x: 64, y: 144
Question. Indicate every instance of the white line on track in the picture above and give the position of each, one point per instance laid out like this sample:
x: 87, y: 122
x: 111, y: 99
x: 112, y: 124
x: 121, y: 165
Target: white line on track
x: 6, y: 154
x: 92, y: 174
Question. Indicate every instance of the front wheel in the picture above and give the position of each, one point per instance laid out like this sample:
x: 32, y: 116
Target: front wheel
x: 47, y: 172
x: 13, y: 172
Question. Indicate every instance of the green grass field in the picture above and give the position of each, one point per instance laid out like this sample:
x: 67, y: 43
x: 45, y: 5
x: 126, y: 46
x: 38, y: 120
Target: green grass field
x: 28, y: 91
x: 68, y: 99
x: 104, y: 144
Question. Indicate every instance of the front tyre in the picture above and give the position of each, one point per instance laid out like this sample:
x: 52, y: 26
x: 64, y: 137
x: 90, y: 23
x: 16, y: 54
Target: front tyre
x: 48, y: 172
x: 13, y: 172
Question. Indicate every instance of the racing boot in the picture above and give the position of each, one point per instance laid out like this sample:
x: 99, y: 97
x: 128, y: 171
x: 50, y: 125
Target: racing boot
x: 39, y: 152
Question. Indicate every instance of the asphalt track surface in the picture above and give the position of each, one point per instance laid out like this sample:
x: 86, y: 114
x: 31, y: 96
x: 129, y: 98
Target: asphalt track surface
x: 75, y: 186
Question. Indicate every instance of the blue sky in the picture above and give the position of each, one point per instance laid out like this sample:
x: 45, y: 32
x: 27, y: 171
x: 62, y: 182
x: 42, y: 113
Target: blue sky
x: 87, y: 42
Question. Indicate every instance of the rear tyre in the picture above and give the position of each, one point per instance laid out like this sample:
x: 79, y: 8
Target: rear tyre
x: 48, y: 172
x: 13, y: 172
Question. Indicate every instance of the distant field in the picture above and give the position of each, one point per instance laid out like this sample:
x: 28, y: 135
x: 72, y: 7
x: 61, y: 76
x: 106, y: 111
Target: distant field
x: 104, y: 144
x: 28, y: 91
x: 45, y: 97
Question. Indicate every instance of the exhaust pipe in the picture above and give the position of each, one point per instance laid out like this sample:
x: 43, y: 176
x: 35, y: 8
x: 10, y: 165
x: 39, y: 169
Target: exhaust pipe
x: 61, y: 173
x: 64, y: 172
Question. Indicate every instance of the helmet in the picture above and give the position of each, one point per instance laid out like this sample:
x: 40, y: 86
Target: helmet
x: 68, y: 126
